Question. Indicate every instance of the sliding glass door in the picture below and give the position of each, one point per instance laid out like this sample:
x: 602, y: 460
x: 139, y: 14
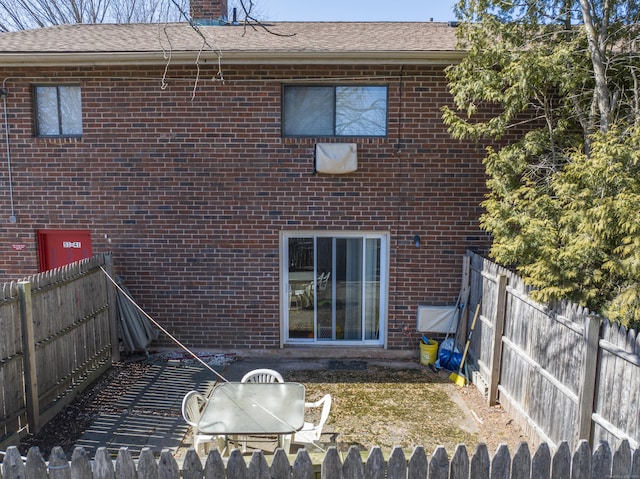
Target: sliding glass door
x: 334, y: 288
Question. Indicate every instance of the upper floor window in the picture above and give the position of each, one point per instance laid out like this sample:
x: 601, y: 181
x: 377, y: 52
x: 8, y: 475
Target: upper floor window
x: 58, y: 110
x: 334, y: 110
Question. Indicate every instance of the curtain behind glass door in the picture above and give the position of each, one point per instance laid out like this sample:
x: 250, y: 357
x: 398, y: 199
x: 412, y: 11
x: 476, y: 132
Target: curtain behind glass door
x: 349, y: 289
x: 372, y: 289
x: 301, y: 288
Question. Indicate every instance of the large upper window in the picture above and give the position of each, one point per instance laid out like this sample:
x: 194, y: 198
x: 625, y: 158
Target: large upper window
x: 334, y: 110
x: 58, y: 110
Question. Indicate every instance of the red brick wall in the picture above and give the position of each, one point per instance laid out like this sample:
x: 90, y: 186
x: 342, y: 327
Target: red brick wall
x: 190, y: 191
x: 208, y: 9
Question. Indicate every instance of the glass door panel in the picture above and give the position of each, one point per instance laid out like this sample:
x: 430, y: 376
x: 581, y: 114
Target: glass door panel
x: 325, y: 289
x: 348, y: 257
x: 301, y: 288
x: 334, y: 289
x: 372, y: 289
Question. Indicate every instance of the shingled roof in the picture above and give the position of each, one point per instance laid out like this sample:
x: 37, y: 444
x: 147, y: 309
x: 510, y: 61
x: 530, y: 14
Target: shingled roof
x: 284, y: 42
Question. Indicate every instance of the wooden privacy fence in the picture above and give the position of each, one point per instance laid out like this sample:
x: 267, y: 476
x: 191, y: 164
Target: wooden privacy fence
x: 56, y: 340
x: 560, y: 371
x: 582, y: 464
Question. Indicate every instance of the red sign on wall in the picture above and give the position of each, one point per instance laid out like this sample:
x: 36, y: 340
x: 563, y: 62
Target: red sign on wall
x: 60, y: 247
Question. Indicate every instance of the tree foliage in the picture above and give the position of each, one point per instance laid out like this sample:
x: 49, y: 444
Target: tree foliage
x: 553, y: 85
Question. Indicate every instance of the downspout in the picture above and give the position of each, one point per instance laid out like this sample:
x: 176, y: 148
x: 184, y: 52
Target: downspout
x: 13, y: 218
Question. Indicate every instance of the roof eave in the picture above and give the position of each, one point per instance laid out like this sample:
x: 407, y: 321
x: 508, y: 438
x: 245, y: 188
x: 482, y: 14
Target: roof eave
x: 229, y: 57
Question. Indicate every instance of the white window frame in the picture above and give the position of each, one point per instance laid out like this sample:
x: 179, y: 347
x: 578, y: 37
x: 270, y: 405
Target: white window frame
x: 284, y: 287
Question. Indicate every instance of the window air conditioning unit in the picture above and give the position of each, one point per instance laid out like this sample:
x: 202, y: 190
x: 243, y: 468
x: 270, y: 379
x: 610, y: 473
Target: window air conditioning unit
x: 336, y: 158
x: 437, y: 319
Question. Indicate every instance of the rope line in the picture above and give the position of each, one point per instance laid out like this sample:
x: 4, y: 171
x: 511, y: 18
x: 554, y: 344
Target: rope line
x: 254, y: 403
x: 195, y: 356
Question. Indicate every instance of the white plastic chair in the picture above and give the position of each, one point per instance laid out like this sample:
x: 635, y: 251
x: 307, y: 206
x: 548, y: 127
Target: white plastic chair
x: 310, y: 433
x: 323, y: 280
x: 192, y: 405
x: 262, y: 376
x: 259, y: 376
x: 294, y: 300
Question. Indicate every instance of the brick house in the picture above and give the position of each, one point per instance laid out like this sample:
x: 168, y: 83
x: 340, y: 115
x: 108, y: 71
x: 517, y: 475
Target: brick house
x: 258, y: 191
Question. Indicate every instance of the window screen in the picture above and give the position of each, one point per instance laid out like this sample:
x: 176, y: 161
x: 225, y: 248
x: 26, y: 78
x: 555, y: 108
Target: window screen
x: 334, y: 110
x: 58, y: 111
x: 361, y: 111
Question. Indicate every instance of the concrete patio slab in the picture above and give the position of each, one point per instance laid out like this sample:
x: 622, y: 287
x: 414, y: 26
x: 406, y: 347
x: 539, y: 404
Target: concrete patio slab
x: 149, y: 414
x: 150, y: 411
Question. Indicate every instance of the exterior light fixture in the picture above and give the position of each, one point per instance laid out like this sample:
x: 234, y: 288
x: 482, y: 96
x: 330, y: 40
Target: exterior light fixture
x: 416, y: 240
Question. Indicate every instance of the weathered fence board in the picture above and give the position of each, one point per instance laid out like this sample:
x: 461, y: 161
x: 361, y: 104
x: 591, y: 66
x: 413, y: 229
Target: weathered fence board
x: 67, y: 343
x: 582, y: 464
x: 561, y: 372
x: 12, y: 410
x: 615, y: 409
x: 481, y: 463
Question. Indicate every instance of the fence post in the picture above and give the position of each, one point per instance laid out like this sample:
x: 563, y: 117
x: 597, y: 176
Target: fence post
x: 29, y: 356
x: 498, y: 330
x: 588, y: 377
x: 113, y: 308
x: 465, y: 288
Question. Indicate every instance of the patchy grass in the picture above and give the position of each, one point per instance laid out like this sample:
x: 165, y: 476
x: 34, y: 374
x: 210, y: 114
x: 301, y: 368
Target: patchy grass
x: 387, y: 407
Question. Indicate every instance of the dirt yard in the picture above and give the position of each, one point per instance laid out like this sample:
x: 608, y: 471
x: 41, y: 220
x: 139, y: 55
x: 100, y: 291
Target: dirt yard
x: 373, y: 406
x: 389, y: 407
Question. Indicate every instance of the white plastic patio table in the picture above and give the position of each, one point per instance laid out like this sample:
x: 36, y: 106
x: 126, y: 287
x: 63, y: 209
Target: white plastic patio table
x: 236, y: 408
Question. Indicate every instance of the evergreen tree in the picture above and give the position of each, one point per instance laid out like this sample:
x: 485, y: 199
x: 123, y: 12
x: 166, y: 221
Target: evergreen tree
x: 564, y: 188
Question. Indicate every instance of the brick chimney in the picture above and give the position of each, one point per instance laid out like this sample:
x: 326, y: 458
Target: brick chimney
x: 208, y: 11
